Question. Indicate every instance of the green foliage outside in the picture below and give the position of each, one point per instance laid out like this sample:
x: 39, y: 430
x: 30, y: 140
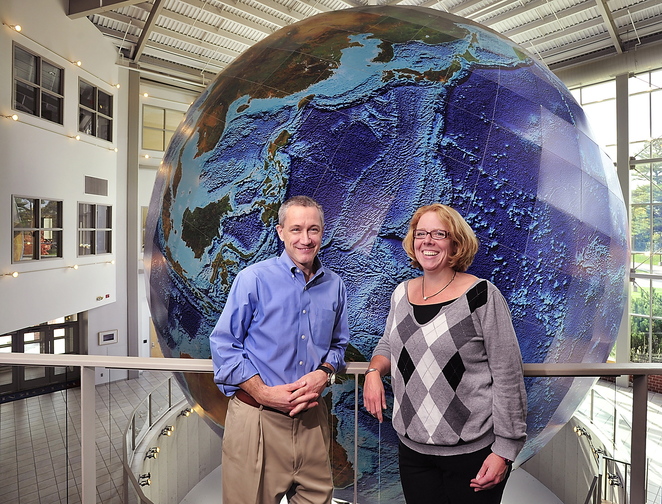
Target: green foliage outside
x: 646, y: 232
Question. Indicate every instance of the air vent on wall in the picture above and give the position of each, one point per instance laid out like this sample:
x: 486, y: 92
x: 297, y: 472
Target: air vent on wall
x: 97, y: 186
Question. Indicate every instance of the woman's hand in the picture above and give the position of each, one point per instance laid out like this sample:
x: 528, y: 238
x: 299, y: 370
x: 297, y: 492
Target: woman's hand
x: 374, y: 398
x: 492, y: 472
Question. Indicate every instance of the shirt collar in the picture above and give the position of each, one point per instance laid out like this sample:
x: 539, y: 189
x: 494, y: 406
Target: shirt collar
x: 287, y: 261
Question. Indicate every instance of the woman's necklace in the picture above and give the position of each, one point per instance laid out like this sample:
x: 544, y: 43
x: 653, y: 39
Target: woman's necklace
x: 425, y: 298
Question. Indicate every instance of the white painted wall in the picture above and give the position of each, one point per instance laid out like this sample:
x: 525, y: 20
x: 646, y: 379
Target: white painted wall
x: 41, y: 159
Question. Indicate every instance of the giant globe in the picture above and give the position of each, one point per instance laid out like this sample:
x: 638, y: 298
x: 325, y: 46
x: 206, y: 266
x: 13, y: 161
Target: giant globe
x: 374, y: 111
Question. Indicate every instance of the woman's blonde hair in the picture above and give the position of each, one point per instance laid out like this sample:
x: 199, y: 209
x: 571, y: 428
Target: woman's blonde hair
x: 465, y: 243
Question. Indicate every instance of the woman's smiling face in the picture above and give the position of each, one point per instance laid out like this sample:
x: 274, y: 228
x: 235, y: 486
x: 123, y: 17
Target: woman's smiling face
x: 432, y: 254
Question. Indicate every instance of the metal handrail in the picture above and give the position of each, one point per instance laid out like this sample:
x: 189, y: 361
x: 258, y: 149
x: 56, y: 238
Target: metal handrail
x: 591, y: 496
x: 129, y: 477
x: 88, y: 363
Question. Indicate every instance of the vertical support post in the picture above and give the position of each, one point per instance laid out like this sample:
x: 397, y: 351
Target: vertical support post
x: 623, y: 172
x: 356, y: 437
x: 638, y: 450
x: 87, y: 435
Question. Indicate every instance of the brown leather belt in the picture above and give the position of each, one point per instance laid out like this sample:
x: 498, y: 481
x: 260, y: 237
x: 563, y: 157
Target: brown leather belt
x: 245, y: 397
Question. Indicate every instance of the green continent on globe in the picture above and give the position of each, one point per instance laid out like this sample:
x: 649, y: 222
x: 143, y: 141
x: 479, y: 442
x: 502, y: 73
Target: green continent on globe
x: 291, y: 60
x: 200, y: 226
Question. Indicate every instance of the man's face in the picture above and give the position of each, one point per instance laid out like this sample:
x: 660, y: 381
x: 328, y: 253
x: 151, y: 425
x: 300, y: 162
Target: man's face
x: 301, y: 234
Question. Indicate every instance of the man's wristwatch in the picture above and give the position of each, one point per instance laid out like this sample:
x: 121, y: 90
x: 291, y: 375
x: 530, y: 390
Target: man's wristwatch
x: 330, y: 375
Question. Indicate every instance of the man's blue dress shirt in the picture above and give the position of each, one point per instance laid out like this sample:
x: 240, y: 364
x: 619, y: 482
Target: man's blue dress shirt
x: 278, y: 326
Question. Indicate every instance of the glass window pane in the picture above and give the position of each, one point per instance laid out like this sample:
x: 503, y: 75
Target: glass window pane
x: 26, y: 98
x: 34, y: 372
x: 6, y: 377
x: 598, y: 92
x: 32, y: 342
x: 51, y: 108
x: 23, y: 246
x: 23, y: 212
x: 51, y: 213
x: 5, y: 341
x: 105, y: 103
x: 657, y: 234
x: 656, y: 175
x: 640, y: 117
x: 639, y: 83
x: 86, y: 121
x: 656, y: 302
x: 85, y: 241
x: 639, y: 150
x: 602, y: 117
x: 104, y: 128
x: 51, y: 77
x: 640, y: 184
x: 172, y: 119
x: 85, y: 215
x: 656, y: 133
x: 641, y: 228
x: 86, y: 95
x: 25, y: 65
x: 59, y: 346
x: 103, y: 242
x: 153, y: 117
x: 153, y: 139
x: 639, y: 339
x: 656, y: 348
x: 50, y: 243
x: 104, y: 216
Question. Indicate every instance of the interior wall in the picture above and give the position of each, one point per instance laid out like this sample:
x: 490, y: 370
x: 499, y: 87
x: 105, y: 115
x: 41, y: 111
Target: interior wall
x: 42, y: 159
x: 166, y: 97
x: 565, y: 464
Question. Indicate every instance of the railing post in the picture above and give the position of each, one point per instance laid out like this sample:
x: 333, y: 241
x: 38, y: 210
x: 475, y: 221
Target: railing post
x: 356, y: 438
x: 88, y: 435
x: 638, y: 450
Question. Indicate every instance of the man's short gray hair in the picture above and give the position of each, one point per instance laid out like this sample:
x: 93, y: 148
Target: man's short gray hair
x: 304, y: 201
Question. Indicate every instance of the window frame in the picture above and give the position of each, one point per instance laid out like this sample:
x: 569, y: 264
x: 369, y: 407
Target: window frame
x: 94, y: 230
x: 40, y: 91
x: 37, y: 230
x: 95, y: 112
x: 165, y: 131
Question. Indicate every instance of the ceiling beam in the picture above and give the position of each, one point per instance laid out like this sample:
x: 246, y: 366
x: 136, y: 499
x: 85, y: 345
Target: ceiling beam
x: 147, y: 29
x: 543, y: 21
x: 238, y: 6
x: 282, y: 9
x: 83, y: 8
x: 610, y: 25
x: 208, y: 28
x: 202, y: 44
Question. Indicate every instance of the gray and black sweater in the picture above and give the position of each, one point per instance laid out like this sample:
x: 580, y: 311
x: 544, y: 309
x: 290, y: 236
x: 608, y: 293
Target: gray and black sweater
x: 457, y: 379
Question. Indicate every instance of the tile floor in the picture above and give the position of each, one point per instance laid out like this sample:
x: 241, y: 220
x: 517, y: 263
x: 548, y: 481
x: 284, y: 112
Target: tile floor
x: 40, y: 452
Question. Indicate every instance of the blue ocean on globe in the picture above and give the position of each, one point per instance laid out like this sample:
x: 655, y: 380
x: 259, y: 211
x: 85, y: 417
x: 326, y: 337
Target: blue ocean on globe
x: 375, y: 111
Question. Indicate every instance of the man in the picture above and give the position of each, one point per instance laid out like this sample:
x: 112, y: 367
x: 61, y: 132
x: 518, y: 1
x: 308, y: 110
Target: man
x: 279, y: 340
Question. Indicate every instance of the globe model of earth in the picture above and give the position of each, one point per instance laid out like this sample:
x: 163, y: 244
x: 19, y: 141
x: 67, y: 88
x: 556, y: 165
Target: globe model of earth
x: 374, y: 111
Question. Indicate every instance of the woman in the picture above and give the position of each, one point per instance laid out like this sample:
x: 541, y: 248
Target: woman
x: 459, y: 398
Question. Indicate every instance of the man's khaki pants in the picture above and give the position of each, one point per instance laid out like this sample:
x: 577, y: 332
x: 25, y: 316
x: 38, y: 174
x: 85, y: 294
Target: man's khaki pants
x: 267, y: 455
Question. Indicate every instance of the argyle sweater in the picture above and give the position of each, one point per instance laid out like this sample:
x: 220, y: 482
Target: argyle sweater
x: 457, y: 379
